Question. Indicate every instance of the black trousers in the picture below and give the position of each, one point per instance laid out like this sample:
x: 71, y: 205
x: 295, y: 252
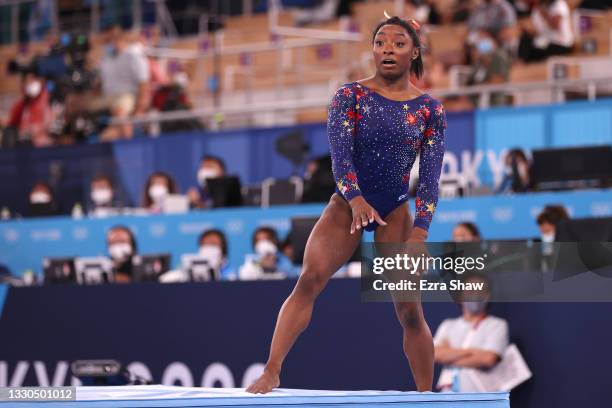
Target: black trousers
x: 528, y: 52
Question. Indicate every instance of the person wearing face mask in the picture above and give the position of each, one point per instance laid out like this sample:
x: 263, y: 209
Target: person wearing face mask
x: 547, y: 222
x: 472, y: 342
x: 102, y: 196
x: 124, y: 82
x: 210, y: 167
x: 31, y: 116
x: 267, y: 259
x: 490, y: 65
x: 41, y: 202
x: 213, y: 246
x: 158, y: 186
x: 121, y: 245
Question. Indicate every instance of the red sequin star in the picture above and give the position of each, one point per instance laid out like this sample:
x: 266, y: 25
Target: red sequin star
x: 418, y: 202
x: 410, y: 118
x: 425, y: 112
x: 347, y: 92
x: 428, y: 132
x: 353, y: 115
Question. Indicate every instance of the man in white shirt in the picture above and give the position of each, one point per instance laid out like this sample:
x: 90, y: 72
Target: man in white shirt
x: 552, y: 35
x: 469, y: 343
x: 125, y: 82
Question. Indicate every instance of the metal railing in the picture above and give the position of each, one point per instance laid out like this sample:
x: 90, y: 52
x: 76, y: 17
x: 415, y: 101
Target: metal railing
x: 556, y: 89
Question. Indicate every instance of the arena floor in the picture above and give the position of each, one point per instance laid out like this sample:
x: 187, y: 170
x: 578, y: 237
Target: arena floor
x: 172, y: 396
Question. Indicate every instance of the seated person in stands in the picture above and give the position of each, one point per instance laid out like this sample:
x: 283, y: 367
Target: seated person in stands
x: 548, y: 219
x: 102, y: 195
x: 470, y: 343
x: 41, y: 201
x: 158, y: 186
x: 210, y: 167
x: 31, y: 116
x: 213, y: 245
x: 490, y: 65
x: 466, y: 232
x: 551, y: 31
x: 319, y: 183
x: 267, y: 260
x: 496, y: 17
x: 517, y: 178
x: 122, y: 247
x: 125, y: 83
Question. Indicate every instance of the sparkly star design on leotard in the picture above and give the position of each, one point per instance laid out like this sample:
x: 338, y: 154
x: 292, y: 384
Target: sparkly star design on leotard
x: 374, y: 142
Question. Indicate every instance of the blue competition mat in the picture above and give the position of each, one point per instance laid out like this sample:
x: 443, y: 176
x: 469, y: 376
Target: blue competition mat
x: 172, y: 396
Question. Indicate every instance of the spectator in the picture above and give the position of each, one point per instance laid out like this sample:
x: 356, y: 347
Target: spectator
x: 466, y: 232
x: 424, y: 11
x: 496, y: 17
x: 319, y: 183
x: 172, y: 96
x: 125, y: 76
x: 210, y: 167
x: 267, y: 258
x: 517, y: 178
x: 42, y: 202
x: 490, y: 65
x: 158, y: 186
x: 102, y: 196
x: 31, y: 116
x: 213, y: 245
x: 122, y: 248
x: 548, y: 219
x: 471, y: 343
x: 552, y: 31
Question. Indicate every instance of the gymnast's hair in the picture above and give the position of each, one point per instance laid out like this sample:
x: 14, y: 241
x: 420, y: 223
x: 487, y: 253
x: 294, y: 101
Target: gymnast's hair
x: 412, y: 27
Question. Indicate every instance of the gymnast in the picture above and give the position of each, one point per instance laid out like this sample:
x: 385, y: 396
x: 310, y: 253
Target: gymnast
x: 376, y: 128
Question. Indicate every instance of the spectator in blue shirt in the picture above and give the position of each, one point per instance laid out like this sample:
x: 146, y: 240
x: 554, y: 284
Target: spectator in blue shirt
x: 213, y: 245
x: 267, y: 261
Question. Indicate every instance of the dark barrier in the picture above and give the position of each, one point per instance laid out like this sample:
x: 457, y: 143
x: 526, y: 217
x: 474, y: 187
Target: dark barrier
x: 249, y: 153
x: 206, y: 334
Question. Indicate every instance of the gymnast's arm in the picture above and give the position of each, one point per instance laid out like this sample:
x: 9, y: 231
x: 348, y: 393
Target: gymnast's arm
x: 430, y: 167
x: 341, y: 134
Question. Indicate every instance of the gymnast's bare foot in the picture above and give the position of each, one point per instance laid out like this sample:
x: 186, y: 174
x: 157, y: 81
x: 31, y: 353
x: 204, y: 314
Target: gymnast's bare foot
x: 265, y: 383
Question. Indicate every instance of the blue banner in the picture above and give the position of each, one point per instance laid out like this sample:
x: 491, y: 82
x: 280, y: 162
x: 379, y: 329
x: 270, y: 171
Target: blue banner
x: 24, y: 243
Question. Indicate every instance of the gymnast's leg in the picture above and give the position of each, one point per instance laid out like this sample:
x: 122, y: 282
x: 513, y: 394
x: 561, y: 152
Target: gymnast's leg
x: 417, y: 340
x: 329, y: 246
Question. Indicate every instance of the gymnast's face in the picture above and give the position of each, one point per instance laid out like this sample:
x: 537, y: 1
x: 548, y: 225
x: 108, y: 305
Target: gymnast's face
x: 393, y: 51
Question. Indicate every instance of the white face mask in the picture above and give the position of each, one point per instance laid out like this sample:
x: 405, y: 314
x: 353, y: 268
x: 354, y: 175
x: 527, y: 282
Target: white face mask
x: 213, y: 254
x: 181, y: 79
x: 158, y: 192
x: 33, y: 89
x: 204, y: 174
x: 265, y: 247
x: 40, y: 197
x: 120, y: 251
x: 550, y: 237
x: 101, y: 196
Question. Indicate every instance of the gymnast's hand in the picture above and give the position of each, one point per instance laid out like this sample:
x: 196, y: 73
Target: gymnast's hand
x: 363, y: 214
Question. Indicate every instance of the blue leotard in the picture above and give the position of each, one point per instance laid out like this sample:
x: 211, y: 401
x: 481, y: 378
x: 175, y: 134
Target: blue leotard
x: 374, y: 142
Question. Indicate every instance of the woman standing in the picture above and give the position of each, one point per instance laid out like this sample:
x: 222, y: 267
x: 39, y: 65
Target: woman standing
x: 376, y: 127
